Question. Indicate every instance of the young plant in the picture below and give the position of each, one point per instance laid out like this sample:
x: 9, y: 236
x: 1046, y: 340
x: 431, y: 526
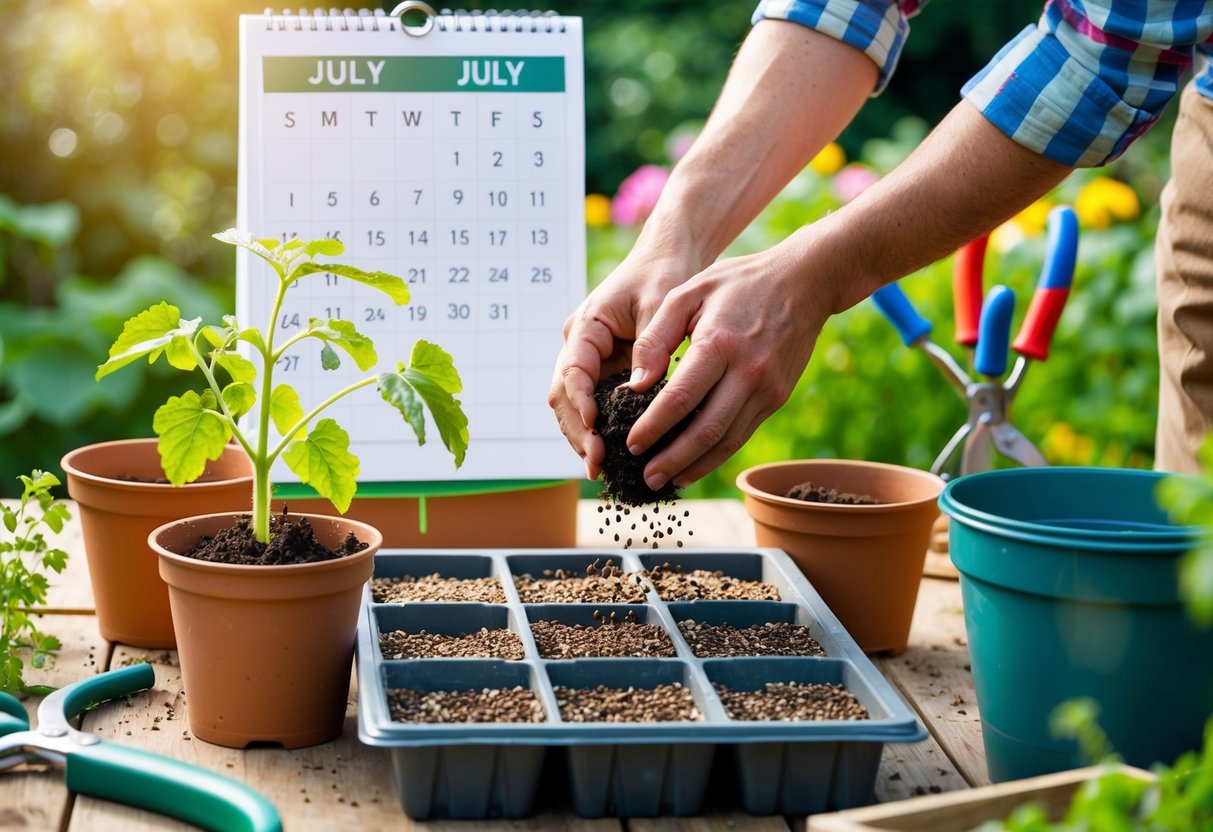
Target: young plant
x: 24, y: 556
x: 195, y: 426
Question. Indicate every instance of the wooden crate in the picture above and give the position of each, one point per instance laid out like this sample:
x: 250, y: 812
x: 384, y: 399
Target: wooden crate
x: 964, y: 810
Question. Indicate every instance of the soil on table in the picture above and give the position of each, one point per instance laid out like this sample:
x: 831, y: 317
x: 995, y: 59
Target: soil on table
x: 292, y: 541
x: 813, y: 493
x: 623, y: 471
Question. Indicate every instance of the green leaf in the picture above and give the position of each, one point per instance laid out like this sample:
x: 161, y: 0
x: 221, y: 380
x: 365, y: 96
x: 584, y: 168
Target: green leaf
x: 399, y: 394
x: 190, y: 436
x: 285, y: 410
x: 214, y: 336
x: 324, y: 462
x: 252, y: 336
x: 329, y: 359
x: 237, y: 366
x: 343, y: 334
x: 391, y: 285
x: 446, y: 410
x: 325, y: 247
x: 155, y: 329
x: 435, y: 363
x: 239, y: 396
x: 242, y: 239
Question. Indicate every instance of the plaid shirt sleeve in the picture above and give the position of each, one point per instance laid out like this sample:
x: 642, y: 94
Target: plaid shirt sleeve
x: 1092, y: 76
x: 878, y: 28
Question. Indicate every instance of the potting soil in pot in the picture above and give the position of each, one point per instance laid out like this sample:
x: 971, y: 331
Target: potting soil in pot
x: 291, y: 541
x: 813, y: 493
x: 634, y: 707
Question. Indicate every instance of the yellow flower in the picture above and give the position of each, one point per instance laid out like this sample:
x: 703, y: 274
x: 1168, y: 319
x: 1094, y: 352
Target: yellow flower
x: 1034, y: 219
x: 597, y: 211
x: 829, y: 161
x: 1102, y: 201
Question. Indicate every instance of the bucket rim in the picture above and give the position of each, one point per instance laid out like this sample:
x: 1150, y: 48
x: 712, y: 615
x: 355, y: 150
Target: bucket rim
x: 1176, y: 538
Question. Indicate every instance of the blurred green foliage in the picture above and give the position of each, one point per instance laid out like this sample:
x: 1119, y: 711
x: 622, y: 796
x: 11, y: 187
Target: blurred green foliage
x: 118, y: 123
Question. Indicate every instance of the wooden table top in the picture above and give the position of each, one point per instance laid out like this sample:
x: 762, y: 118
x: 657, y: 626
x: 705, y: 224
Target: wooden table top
x: 346, y: 785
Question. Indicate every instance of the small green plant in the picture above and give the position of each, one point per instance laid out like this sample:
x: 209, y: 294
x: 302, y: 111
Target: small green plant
x: 24, y: 557
x: 194, y: 427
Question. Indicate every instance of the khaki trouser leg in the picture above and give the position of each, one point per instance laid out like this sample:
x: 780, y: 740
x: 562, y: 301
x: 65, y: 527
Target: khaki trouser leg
x: 1184, y: 259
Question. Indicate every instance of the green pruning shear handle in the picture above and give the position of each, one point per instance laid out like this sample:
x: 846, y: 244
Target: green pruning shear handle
x: 120, y: 773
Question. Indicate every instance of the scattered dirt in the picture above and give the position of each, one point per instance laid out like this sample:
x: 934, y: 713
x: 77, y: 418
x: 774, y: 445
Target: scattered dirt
x: 652, y: 529
x: 290, y: 542
x: 812, y: 493
x: 623, y: 471
x: 664, y: 703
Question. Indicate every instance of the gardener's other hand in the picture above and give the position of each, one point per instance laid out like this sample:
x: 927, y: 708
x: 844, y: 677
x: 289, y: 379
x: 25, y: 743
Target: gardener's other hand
x: 598, y: 340
x: 752, y: 323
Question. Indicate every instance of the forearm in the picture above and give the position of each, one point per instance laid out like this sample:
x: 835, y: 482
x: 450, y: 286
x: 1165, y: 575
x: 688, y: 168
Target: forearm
x: 963, y: 181
x: 790, y: 92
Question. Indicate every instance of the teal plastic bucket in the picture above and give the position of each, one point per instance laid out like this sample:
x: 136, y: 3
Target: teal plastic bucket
x: 1070, y: 584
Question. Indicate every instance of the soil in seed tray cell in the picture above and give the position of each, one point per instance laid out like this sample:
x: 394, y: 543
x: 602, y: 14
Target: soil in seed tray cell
x: 775, y: 638
x: 673, y: 584
x: 791, y: 702
x: 605, y: 585
x: 483, y: 643
x: 609, y: 638
x: 436, y: 587
x: 517, y: 704
x: 663, y: 703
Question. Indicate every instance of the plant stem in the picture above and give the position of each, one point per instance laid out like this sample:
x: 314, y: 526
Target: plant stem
x: 261, y: 459
x: 345, y: 391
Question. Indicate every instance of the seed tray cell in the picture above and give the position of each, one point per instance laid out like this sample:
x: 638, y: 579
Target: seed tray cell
x: 492, y: 769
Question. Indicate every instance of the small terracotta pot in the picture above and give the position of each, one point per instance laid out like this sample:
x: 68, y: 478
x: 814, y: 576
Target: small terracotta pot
x: 865, y: 560
x: 266, y: 651
x: 117, y: 515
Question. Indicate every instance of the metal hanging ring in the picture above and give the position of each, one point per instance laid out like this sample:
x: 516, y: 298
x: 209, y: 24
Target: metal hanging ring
x: 415, y: 5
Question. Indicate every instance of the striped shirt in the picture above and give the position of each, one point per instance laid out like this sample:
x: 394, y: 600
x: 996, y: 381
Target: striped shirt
x: 1079, y: 86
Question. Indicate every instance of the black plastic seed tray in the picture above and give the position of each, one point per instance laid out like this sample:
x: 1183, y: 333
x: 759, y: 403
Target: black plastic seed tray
x: 481, y: 770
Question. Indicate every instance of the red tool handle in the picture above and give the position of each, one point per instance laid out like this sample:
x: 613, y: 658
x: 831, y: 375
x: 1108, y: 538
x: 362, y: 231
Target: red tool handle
x: 967, y: 289
x: 1039, y: 323
x: 1053, y: 287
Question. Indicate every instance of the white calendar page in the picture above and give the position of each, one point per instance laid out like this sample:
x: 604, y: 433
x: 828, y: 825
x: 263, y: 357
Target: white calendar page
x: 454, y: 160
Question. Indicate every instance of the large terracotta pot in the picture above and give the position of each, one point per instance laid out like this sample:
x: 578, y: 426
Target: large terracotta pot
x: 122, y: 497
x: 266, y: 651
x: 865, y: 560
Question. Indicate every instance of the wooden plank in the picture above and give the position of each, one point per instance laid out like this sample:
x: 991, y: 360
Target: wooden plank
x: 912, y: 769
x: 934, y: 675
x: 35, y: 797
x: 710, y: 523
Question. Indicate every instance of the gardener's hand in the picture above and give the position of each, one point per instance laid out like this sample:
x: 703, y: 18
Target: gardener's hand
x: 752, y: 323
x: 598, y: 339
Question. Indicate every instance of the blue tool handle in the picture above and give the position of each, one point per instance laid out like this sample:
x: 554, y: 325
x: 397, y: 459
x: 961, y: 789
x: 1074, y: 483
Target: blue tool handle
x: 892, y: 301
x: 1062, y: 250
x: 994, y: 330
x: 169, y: 787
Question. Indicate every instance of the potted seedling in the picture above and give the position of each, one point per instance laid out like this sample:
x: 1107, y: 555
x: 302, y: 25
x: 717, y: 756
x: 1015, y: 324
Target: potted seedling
x: 264, y: 607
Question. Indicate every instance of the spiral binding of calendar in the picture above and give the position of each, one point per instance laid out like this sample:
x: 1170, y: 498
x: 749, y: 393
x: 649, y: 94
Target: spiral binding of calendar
x: 459, y: 20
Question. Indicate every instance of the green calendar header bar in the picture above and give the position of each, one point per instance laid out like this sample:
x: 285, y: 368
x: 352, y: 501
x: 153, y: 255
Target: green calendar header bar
x: 415, y: 74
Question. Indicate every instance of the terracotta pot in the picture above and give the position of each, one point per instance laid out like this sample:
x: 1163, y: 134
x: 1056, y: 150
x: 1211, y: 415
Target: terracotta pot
x: 865, y: 560
x: 117, y: 515
x: 266, y: 651
x: 543, y: 516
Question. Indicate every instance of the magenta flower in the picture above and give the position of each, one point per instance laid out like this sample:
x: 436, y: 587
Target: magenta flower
x: 637, y: 195
x: 853, y: 180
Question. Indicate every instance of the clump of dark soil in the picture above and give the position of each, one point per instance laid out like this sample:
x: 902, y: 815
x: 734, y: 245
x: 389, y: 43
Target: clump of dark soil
x: 813, y: 493
x: 291, y: 541
x: 623, y: 471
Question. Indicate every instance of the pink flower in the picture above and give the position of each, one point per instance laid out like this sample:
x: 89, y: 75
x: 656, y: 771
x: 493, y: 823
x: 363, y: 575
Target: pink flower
x: 637, y: 195
x: 853, y: 180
